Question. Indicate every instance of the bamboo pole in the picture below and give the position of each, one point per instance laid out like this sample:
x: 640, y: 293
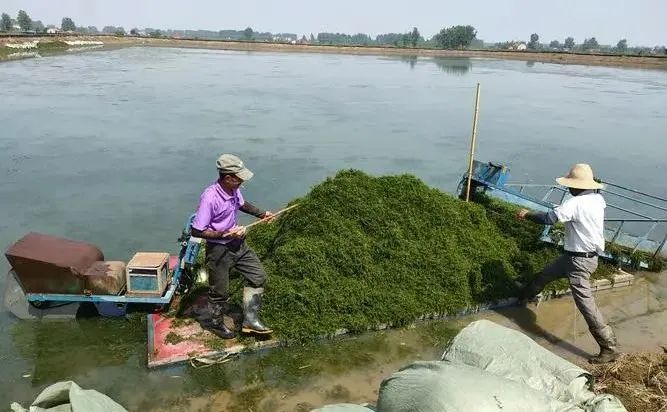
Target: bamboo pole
x: 472, y: 143
x: 264, y: 219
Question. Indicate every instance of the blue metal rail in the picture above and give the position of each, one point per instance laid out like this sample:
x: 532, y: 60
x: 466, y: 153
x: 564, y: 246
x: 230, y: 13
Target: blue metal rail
x: 492, y: 179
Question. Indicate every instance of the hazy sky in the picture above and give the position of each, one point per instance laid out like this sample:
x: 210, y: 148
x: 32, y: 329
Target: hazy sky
x: 642, y: 22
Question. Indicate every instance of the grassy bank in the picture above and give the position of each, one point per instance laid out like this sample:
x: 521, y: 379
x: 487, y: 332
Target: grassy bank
x: 645, y: 62
x: 41, y: 48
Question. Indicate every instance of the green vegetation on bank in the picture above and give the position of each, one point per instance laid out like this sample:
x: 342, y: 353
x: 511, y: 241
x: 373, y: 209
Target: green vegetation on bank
x: 42, y: 47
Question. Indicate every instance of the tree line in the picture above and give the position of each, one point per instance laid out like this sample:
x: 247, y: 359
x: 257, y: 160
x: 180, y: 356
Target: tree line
x: 454, y: 37
x: 25, y: 24
x: 590, y: 45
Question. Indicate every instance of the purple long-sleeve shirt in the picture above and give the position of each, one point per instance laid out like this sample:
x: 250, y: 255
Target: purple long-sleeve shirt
x: 218, y: 210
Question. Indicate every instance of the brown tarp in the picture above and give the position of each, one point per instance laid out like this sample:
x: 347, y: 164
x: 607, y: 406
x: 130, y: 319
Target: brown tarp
x: 105, y: 278
x: 49, y: 264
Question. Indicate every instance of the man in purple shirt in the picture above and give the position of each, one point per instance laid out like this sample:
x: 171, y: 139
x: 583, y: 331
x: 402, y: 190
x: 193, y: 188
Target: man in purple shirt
x: 217, y: 222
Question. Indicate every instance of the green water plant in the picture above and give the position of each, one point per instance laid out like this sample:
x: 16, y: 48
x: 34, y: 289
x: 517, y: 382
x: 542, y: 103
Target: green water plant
x: 362, y: 250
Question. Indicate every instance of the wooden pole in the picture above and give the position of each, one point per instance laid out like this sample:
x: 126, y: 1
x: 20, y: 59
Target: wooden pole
x: 265, y: 219
x: 472, y: 143
x: 275, y: 214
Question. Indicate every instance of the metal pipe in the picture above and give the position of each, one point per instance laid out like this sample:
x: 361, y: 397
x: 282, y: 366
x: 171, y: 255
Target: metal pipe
x: 472, y: 142
x: 534, y: 185
x: 635, y: 191
x: 546, y: 196
x: 630, y: 211
x: 635, y: 200
x: 618, y: 232
x: 635, y: 220
x: 659, y: 249
x: 645, y: 237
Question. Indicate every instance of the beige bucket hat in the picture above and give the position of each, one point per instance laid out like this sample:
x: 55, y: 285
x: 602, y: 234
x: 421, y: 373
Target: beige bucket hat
x: 580, y: 177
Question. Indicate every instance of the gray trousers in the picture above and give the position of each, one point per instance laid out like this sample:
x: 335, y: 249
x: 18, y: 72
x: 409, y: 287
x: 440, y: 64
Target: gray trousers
x: 578, y: 271
x: 221, y: 259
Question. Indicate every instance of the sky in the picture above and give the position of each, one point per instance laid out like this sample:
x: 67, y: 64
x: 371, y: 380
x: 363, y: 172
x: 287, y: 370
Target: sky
x: 641, y: 22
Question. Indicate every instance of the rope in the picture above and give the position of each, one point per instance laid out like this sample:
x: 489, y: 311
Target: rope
x: 199, y: 362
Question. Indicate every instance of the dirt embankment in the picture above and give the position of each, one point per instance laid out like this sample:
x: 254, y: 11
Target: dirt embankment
x: 647, y: 62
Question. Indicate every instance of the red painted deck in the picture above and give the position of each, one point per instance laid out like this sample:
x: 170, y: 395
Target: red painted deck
x: 161, y: 352
x: 193, y: 345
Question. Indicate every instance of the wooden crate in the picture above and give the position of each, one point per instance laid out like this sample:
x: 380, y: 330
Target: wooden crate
x: 148, y: 274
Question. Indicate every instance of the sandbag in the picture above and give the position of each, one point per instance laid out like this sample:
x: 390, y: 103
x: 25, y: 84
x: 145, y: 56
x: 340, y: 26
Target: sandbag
x: 488, y: 367
x: 440, y: 386
x: 511, y: 354
x: 67, y: 396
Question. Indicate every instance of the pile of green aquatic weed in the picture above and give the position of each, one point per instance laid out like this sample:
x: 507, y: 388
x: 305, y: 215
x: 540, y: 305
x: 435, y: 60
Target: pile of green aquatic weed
x: 633, y: 261
x: 533, y: 254
x: 360, y: 251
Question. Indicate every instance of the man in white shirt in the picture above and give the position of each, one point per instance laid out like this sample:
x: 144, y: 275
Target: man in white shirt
x: 583, y: 216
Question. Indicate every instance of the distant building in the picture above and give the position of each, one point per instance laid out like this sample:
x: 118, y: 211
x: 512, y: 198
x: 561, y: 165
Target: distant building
x: 52, y: 30
x: 521, y: 47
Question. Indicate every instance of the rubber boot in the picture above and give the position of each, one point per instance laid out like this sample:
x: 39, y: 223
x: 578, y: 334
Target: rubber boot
x: 217, y: 325
x: 252, y: 301
x: 607, y: 340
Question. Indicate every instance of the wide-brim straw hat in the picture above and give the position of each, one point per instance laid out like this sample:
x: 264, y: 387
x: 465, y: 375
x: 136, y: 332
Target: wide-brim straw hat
x: 580, y: 177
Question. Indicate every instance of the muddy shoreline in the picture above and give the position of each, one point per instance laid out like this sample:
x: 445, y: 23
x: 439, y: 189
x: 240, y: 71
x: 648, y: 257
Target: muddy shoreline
x: 656, y: 62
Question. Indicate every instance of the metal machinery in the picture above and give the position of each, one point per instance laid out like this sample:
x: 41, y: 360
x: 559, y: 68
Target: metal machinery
x: 634, y: 220
x: 58, y: 305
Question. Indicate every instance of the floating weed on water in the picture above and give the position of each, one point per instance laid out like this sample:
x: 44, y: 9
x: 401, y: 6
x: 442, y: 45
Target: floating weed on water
x: 248, y: 399
x: 63, y: 349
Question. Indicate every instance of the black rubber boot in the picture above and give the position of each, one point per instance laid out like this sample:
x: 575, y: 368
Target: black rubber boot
x: 217, y: 324
x: 252, y: 301
x: 525, y: 294
x: 607, y: 340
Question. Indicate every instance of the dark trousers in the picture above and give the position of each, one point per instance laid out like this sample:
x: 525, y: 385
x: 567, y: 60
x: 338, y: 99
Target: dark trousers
x: 221, y: 259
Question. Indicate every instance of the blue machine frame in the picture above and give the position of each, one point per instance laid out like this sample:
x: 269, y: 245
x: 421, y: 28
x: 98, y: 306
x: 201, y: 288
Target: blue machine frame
x: 493, y: 180
x: 116, y: 305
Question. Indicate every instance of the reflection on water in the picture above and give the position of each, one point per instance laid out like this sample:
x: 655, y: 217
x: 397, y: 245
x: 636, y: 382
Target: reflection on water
x: 62, y: 349
x: 411, y: 60
x: 456, y: 66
